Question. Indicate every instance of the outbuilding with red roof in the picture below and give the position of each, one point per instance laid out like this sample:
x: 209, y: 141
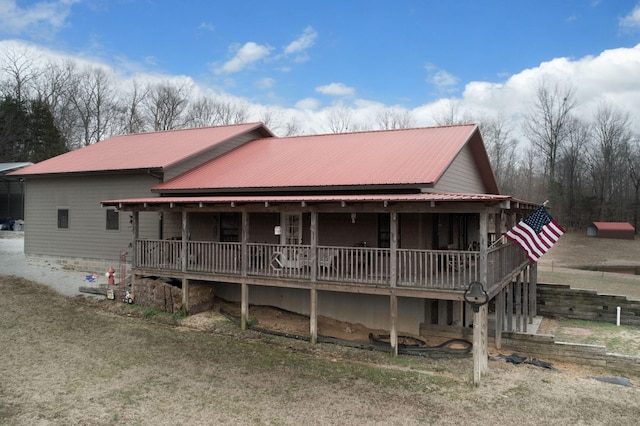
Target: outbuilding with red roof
x: 619, y: 230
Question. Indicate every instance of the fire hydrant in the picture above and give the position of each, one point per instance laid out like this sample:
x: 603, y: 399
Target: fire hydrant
x: 111, y: 273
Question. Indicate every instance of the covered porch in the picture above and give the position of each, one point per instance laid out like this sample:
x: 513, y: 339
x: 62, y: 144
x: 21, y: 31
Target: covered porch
x: 421, y: 249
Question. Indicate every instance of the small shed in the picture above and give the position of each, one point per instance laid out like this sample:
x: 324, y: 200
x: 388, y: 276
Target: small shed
x: 620, y: 230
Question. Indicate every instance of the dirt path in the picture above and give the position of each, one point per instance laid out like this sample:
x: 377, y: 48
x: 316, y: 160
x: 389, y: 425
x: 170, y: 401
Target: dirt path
x: 68, y: 361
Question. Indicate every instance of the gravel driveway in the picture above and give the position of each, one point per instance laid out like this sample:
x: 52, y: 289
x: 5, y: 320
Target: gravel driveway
x: 14, y: 262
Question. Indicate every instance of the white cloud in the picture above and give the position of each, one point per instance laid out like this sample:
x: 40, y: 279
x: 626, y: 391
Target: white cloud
x: 443, y: 81
x: 305, y: 41
x: 265, y: 83
x: 43, y: 16
x: 632, y: 20
x: 336, y: 89
x: 206, y: 26
x: 606, y: 76
x: 246, y: 55
x: 308, y: 104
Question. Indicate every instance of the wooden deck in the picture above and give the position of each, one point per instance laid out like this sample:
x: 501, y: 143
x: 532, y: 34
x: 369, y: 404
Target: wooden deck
x: 403, y: 268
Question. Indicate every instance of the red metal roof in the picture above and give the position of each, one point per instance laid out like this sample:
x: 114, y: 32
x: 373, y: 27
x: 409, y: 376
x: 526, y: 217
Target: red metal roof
x: 614, y: 226
x: 394, y: 157
x: 425, y: 197
x: 153, y: 150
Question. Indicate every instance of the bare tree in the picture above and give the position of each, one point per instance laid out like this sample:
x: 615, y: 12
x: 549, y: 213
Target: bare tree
x: 502, y: 150
x: 131, y: 110
x: 451, y: 115
x: 634, y: 174
x: 55, y: 84
x: 546, y: 126
x: 210, y: 112
x: 93, y: 101
x: 611, y: 137
x: 166, y: 104
x: 339, y: 119
x: 571, y: 169
x: 394, y: 118
x: 20, y: 72
x: 280, y: 125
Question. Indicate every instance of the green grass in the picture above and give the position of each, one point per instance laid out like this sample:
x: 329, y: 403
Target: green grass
x: 623, y: 339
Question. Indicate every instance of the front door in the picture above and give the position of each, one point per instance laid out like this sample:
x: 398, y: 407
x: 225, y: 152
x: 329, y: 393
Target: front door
x: 292, y: 229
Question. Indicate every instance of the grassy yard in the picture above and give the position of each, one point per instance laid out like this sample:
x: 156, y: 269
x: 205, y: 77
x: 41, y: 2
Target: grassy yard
x: 82, y: 362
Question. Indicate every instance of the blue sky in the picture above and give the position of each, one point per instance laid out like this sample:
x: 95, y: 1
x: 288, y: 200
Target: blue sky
x: 308, y: 55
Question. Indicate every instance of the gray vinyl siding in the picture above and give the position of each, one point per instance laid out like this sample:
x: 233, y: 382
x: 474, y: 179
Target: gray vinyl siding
x: 86, y: 236
x: 216, y: 151
x: 462, y: 176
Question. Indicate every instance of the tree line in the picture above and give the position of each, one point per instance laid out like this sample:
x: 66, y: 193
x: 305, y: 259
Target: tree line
x: 588, y: 168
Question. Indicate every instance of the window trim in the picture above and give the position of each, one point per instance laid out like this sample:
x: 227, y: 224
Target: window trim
x: 59, y: 221
x: 117, y: 220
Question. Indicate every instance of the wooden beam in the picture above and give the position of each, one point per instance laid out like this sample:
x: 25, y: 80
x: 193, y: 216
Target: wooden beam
x: 184, y: 240
x: 484, y: 360
x: 509, y: 294
x: 499, y: 318
x: 313, y: 315
x: 533, y: 279
x: 518, y: 302
x: 393, y: 317
x: 135, y: 224
x: 525, y: 301
x: 393, y: 267
x: 185, y: 294
x: 313, y: 254
x: 244, y: 305
x: 477, y: 347
x: 245, y: 241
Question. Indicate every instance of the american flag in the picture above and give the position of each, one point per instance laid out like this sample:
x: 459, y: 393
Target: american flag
x: 536, y: 233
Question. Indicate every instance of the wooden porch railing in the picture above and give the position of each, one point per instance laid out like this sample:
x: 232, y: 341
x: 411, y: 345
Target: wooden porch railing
x: 433, y: 269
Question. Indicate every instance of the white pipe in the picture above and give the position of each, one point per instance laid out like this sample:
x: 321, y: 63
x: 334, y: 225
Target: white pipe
x: 618, y: 316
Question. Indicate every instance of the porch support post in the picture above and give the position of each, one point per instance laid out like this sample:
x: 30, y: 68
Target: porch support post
x: 244, y: 257
x: 518, y: 294
x: 497, y: 224
x: 393, y: 264
x: 393, y: 335
x: 313, y: 315
x: 499, y: 318
x: 484, y: 244
x: 135, y: 223
x: 183, y: 255
x: 314, y: 247
x: 458, y: 312
x: 480, y: 353
x: 525, y: 301
x: 393, y: 281
x: 533, y: 280
x: 244, y: 305
x: 480, y: 318
x: 509, y: 295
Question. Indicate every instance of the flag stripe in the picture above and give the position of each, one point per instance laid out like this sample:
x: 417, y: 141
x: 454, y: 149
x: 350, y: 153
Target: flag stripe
x: 536, y: 234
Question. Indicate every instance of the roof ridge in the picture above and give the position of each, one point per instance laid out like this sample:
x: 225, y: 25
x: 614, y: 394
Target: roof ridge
x: 186, y: 129
x: 380, y: 130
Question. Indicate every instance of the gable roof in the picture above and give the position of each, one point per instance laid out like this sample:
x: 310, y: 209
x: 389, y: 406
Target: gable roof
x: 405, y: 157
x: 153, y: 150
